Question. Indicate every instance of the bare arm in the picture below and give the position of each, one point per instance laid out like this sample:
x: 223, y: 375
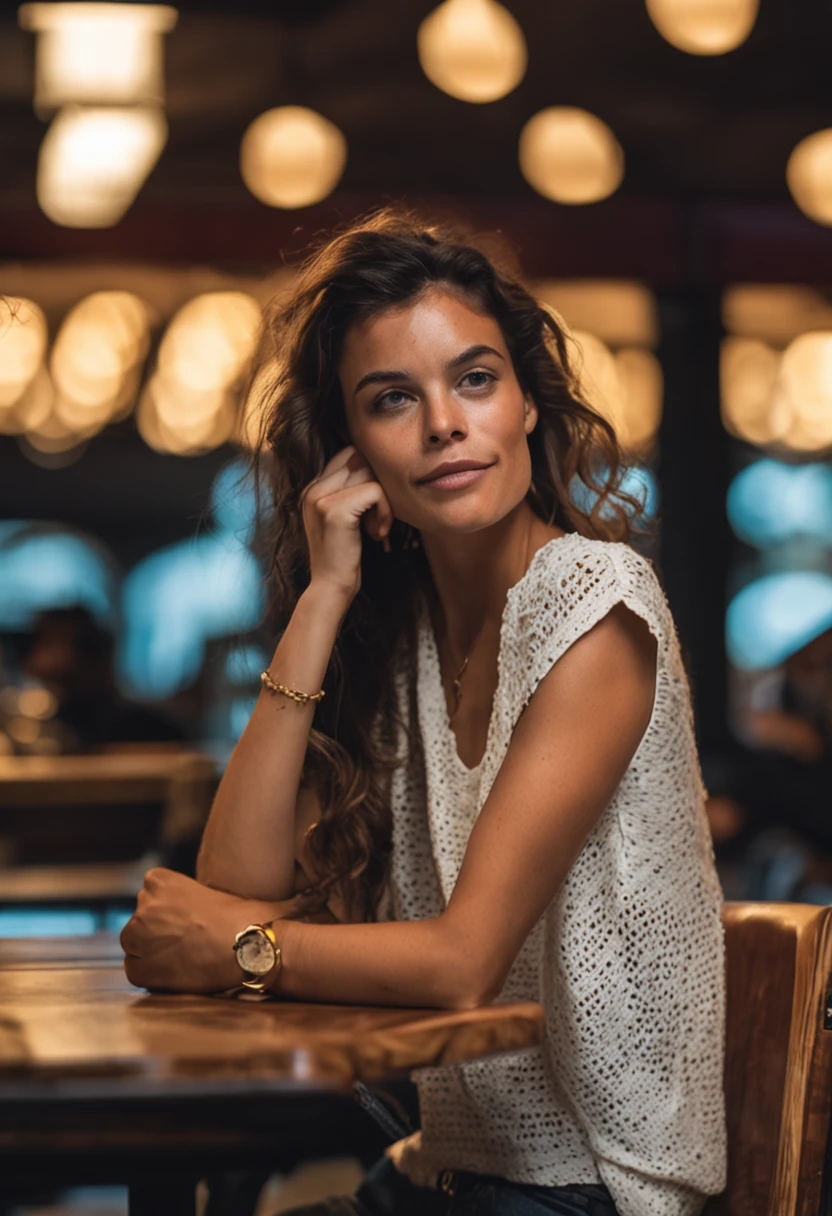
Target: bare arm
x: 248, y: 847
x: 568, y: 753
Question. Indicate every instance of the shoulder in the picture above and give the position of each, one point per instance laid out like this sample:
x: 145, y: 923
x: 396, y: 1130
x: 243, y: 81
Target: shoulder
x: 573, y: 585
x: 573, y: 579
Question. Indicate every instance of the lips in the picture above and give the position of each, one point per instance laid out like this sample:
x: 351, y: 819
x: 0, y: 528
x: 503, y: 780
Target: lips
x: 453, y: 466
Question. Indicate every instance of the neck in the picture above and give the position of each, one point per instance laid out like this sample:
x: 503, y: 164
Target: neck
x: 473, y: 572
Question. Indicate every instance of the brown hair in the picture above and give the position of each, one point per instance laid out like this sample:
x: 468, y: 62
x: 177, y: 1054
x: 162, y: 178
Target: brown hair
x: 382, y: 261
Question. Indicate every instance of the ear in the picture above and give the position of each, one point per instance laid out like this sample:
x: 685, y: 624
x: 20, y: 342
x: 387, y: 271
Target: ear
x: 530, y: 414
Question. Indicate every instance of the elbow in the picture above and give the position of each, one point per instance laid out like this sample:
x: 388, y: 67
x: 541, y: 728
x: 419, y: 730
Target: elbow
x: 472, y: 972
x: 474, y: 988
x: 475, y: 999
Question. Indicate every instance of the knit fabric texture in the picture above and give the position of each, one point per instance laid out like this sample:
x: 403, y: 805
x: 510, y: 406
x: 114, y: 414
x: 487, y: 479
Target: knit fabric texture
x: 627, y: 960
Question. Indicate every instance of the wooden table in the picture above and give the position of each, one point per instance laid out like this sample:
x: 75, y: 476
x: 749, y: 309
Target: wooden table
x: 101, y: 1082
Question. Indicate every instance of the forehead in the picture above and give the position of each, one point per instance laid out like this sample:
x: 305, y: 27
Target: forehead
x: 432, y: 328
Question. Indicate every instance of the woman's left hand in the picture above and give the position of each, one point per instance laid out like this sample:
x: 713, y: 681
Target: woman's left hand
x: 181, y: 935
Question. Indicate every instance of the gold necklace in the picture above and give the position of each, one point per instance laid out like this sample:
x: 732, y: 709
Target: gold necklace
x: 457, y: 685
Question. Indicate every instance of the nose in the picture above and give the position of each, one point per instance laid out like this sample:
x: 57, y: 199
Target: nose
x: 444, y: 419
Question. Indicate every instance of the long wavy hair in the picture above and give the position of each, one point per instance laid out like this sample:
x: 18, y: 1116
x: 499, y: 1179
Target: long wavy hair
x: 382, y: 261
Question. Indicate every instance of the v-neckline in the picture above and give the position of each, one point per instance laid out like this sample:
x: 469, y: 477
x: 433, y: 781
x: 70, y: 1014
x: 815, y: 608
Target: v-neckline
x: 435, y: 670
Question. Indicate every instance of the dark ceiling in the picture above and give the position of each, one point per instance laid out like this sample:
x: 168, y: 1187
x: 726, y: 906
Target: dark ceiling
x: 691, y: 127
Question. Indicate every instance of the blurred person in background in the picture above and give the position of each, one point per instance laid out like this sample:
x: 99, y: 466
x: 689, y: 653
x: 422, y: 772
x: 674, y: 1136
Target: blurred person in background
x: 770, y: 807
x: 71, y: 655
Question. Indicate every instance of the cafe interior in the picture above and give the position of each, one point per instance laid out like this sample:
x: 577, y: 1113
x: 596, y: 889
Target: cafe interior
x: 662, y: 171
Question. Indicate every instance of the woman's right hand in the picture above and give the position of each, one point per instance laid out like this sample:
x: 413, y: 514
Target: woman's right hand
x: 333, y: 505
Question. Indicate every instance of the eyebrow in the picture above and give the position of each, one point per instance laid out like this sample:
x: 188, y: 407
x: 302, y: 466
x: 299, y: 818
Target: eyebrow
x: 383, y: 377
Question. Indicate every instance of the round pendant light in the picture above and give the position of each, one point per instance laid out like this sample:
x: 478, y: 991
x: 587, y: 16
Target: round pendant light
x: 292, y: 157
x: 472, y: 49
x: 570, y: 156
x: 704, y: 27
x: 809, y: 176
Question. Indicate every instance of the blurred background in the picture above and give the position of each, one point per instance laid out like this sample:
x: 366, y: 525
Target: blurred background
x: 663, y: 171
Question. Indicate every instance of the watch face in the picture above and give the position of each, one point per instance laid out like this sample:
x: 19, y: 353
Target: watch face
x: 255, y: 953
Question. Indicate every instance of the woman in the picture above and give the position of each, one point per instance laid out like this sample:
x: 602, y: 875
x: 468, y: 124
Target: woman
x: 502, y: 799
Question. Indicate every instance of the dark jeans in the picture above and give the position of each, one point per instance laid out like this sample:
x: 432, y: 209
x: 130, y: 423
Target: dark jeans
x: 386, y: 1192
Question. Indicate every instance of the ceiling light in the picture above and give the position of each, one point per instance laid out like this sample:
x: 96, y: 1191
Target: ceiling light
x: 98, y: 53
x: 704, y: 27
x: 292, y: 157
x: 93, y: 163
x: 23, y: 339
x: 570, y: 156
x: 809, y: 176
x: 472, y: 49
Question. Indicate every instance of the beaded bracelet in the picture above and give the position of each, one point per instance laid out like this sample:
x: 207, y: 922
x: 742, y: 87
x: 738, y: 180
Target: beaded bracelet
x: 294, y: 693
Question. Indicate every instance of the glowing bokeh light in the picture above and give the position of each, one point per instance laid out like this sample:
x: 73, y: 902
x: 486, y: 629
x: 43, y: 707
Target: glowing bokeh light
x: 472, y: 49
x: 805, y: 382
x: 97, y: 53
x: 620, y: 312
x: 292, y: 157
x: 23, y: 338
x: 776, y: 615
x: 635, y: 480
x: 774, y: 312
x: 642, y: 396
x: 570, y: 156
x: 100, y: 343
x: 770, y: 503
x: 178, y: 598
x: 43, y: 567
x: 704, y: 27
x: 211, y: 338
x: 244, y: 664
x: 93, y: 162
x: 809, y: 176
x: 748, y: 375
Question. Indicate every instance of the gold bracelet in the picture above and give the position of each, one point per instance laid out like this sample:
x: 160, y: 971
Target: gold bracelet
x: 294, y: 693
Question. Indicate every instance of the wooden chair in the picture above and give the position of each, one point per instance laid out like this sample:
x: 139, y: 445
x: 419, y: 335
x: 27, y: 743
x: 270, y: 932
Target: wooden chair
x: 778, y: 1064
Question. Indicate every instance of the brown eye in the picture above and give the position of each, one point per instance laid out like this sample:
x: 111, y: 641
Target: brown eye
x: 484, y: 381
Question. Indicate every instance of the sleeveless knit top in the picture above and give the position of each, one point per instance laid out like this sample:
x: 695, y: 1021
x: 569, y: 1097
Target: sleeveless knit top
x: 627, y: 960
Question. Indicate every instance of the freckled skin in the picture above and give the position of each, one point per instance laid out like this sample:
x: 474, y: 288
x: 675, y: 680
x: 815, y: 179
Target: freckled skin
x: 404, y: 429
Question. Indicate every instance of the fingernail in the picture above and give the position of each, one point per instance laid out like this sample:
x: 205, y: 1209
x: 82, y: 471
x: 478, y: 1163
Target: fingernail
x: 386, y: 543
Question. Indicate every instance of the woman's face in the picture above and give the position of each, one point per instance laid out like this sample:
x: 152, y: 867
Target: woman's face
x: 430, y: 383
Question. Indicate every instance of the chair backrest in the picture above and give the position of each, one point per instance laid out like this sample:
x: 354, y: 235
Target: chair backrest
x: 778, y: 1061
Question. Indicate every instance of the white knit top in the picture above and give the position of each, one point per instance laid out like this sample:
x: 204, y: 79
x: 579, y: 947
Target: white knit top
x: 627, y: 960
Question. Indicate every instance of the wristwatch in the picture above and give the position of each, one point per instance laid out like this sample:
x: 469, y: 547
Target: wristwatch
x: 258, y: 954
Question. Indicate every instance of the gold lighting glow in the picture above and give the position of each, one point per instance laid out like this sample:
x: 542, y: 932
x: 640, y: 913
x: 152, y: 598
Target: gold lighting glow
x: 642, y: 397
x: 774, y: 312
x: 748, y: 374
x: 292, y: 157
x: 33, y: 408
x: 98, y: 53
x: 101, y: 343
x: 23, y: 337
x: 190, y: 404
x: 809, y: 176
x: 93, y: 162
x: 620, y: 312
x: 570, y: 156
x: 704, y: 27
x: 805, y: 382
x: 626, y: 387
x: 472, y: 49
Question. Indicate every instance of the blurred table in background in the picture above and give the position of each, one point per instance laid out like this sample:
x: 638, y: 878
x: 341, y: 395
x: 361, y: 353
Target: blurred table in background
x: 100, y: 1082
x: 79, y: 832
